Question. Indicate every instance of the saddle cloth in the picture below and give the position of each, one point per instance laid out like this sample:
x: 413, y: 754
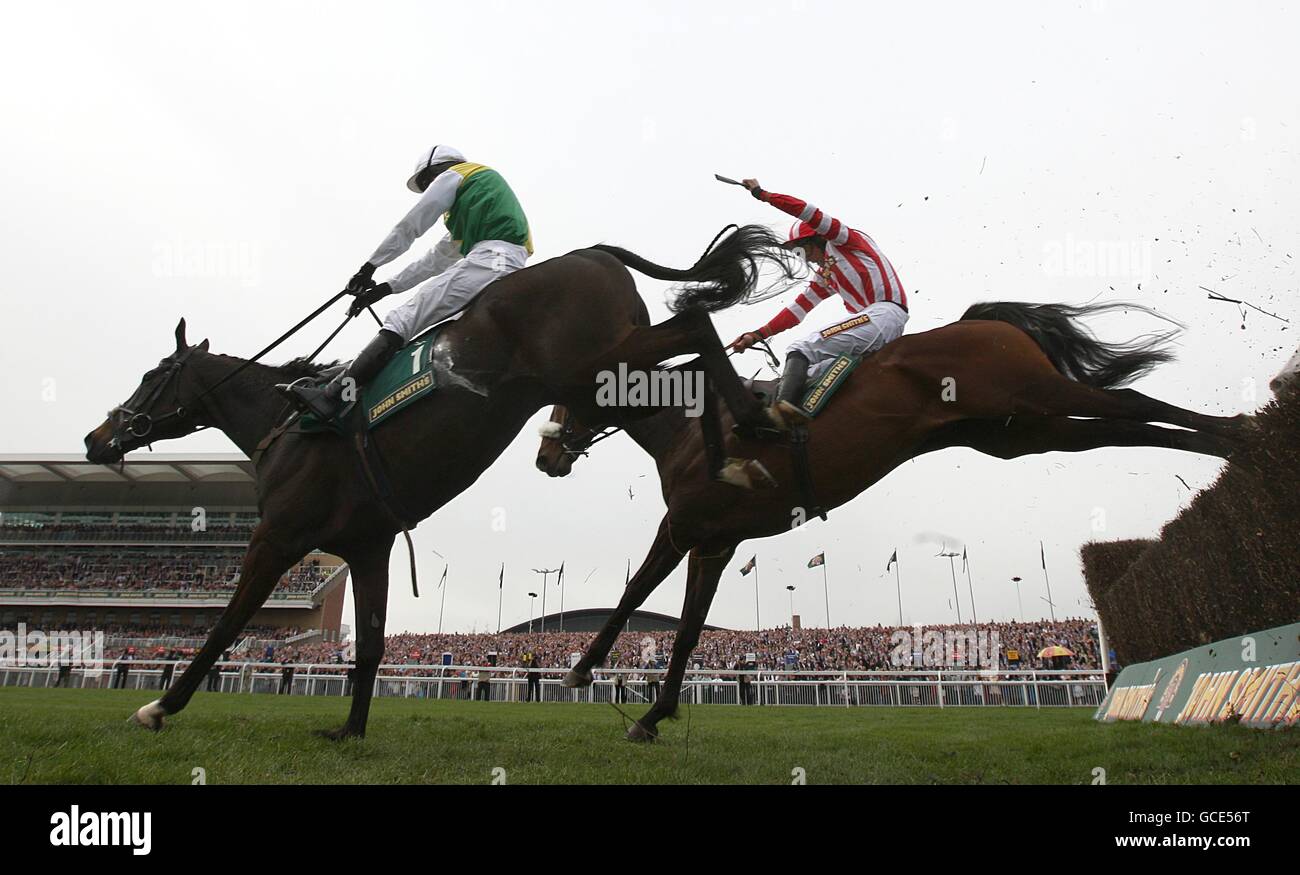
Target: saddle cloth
x: 819, y: 394
x: 407, y: 378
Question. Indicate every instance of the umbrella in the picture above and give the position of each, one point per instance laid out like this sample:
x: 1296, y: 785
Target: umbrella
x: 1054, y: 651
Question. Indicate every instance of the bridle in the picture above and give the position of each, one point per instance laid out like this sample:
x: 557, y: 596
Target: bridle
x: 140, y: 423
x: 575, y: 444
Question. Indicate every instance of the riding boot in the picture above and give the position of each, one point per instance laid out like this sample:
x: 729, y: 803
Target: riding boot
x: 785, y: 411
x: 327, y: 402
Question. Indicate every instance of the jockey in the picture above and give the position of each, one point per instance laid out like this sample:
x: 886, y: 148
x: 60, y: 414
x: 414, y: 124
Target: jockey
x: 487, y: 238
x: 848, y: 263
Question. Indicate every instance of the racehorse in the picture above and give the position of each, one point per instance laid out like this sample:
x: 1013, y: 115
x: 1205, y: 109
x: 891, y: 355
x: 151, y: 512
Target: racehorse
x: 1005, y: 380
x: 536, y: 337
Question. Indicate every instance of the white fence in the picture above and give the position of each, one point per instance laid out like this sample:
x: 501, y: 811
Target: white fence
x: 939, y: 689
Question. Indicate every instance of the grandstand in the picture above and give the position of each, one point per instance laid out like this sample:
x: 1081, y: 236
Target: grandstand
x: 148, y: 552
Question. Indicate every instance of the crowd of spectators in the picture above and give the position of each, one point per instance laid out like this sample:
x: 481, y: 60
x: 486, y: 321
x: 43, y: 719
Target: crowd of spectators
x: 138, y: 569
x: 238, y: 531
x: 868, y: 648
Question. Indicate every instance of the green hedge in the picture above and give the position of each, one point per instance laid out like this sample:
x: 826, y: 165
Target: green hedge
x: 1227, y: 565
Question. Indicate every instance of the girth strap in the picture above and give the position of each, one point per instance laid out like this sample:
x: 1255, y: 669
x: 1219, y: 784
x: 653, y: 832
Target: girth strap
x: 372, y: 464
x: 803, y: 469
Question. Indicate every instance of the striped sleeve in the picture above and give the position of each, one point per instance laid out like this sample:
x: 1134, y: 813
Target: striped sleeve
x: 794, y: 314
x: 831, y: 228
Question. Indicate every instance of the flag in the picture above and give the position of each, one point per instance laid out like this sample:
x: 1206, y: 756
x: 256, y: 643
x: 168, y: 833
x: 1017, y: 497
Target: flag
x: 501, y: 580
x: 560, y: 576
x: 819, y: 559
x: 892, y: 560
x: 1042, y: 555
x: 444, y: 577
x: 749, y: 566
x: 963, y: 558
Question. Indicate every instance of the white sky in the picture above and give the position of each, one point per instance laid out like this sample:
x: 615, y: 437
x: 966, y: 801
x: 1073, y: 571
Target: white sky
x: 986, y: 149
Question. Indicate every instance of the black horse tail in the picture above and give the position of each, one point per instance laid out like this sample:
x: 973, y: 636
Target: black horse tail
x: 725, y: 275
x: 1073, y: 349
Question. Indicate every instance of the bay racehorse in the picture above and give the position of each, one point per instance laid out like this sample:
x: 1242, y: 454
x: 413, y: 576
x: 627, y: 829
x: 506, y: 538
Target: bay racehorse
x: 1008, y: 380
x: 536, y: 337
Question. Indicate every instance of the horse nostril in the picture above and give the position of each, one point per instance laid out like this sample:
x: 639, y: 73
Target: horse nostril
x: 541, y: 464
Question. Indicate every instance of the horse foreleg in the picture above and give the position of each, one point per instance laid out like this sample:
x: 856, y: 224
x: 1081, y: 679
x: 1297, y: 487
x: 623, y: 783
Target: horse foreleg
x: 263, y: 566
x: 657, y: 565
x: 706, y: 567
x: 370, y: 600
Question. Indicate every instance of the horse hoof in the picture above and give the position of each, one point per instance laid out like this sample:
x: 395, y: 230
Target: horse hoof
x: 338, y: 734
x: 149, y: 716
x: 640, y: 733
x: 576, y: 679
x: 747, y: 474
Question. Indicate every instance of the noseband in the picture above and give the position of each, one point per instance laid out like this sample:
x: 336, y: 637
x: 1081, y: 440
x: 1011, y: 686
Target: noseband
x: 140, y: 423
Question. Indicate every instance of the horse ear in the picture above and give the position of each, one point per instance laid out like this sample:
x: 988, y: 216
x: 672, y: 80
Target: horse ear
x: 181, y: 345
x: 203, y: 347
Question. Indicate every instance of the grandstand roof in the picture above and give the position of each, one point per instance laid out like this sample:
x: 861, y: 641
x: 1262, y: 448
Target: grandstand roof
x: 50, y: 481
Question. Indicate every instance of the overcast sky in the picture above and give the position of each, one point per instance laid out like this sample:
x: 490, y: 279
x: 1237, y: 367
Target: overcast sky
x: 236, y: 164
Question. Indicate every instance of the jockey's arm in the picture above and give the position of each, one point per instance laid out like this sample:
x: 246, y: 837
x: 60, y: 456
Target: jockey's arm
x: 792, y: 315
x: 788, y: 318
x: 436, y: 200
x: 432, y: 263
x: 831, y: 228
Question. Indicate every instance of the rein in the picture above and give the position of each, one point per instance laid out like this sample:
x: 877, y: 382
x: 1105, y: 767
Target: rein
x: 141, y: 424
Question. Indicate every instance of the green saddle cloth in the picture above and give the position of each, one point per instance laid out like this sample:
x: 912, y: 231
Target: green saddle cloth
x: 819, y: 393
x: 403, y: 381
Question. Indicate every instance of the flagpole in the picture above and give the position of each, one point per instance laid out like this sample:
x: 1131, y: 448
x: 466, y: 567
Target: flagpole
x: 970, y: 587
x: 826, y: 589
x: 1050, y: 604
x: 443, y: 587
x: 561, y: 582
x: 501, y: 590
x: 758, y: 622
x: 898, y: 583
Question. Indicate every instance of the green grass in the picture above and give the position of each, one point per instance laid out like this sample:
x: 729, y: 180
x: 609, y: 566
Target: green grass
x: 81, y: 736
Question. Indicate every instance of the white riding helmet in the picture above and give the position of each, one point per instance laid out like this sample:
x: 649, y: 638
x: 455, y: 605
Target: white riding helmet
x: 430, y: 157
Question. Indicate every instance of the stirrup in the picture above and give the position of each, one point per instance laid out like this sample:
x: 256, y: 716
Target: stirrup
x: 309, y: 398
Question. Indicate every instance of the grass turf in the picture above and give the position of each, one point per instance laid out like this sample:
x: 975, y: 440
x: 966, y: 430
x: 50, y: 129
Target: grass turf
x: 81, y: 736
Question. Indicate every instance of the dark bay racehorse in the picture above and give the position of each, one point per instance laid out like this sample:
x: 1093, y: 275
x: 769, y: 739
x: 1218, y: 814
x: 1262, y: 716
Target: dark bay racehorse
x: 536, y: 337
x: 1005, y: 380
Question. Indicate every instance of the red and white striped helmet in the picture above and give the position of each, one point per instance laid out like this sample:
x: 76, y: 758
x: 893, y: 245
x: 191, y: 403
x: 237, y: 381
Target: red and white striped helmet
x: 800, y: 231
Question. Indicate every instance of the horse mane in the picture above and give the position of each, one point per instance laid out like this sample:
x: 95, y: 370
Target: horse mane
x: 302, y: 366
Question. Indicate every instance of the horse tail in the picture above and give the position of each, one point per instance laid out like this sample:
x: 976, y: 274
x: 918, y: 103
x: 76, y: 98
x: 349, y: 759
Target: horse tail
x: 1073, y: 349
x: 725, y: 275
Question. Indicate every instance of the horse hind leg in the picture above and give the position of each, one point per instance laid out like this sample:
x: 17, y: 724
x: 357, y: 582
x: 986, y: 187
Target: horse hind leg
x: 264, y: 564
x: 370, y: 600
x: 1061, y: 396
x: 1026, y: 435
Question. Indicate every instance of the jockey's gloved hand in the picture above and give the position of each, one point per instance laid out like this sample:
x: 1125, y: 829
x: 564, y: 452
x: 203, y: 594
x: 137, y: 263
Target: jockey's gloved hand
x: 369, y: 296
x: 745, y: 341
x: 363, y: 280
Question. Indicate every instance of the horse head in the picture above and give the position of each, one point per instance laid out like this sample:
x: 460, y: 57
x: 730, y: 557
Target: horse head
x: 1288, y: 377
x: 563, y: 440
x: 154, y: 411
